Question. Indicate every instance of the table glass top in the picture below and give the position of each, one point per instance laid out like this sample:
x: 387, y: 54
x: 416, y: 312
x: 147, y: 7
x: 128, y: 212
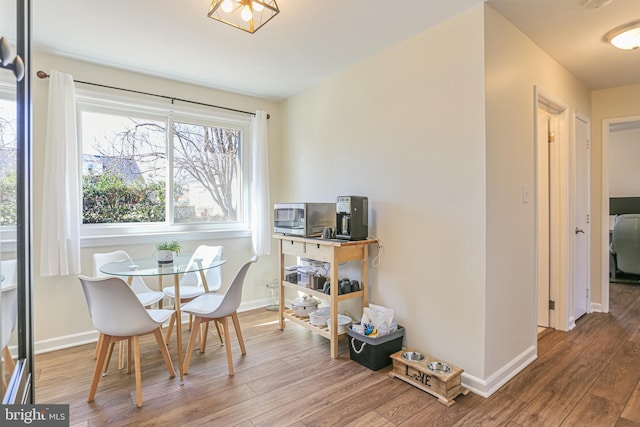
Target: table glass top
x: 149, y: 266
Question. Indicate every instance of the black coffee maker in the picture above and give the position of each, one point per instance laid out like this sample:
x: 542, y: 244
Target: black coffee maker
x: 352, y: 218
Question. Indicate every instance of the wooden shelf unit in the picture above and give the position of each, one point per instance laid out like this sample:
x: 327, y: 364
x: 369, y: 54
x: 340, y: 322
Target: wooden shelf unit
x: 334, y: 252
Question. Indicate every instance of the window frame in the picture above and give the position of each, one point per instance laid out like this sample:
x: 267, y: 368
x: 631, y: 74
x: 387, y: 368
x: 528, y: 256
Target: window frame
x: 104, y: 234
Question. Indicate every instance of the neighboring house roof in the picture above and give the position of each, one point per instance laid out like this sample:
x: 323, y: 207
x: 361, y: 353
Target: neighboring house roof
x: 121, y: 166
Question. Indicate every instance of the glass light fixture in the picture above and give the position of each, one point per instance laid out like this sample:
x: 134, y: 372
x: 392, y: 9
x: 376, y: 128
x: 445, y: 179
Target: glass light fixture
x: 227, y: 6
x: 247, y: 15
x: 626, y: 37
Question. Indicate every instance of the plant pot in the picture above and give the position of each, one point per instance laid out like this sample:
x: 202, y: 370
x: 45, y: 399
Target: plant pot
x: 165, y: 257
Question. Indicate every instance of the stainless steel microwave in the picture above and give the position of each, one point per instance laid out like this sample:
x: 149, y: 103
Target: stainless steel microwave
x: 303, y: 219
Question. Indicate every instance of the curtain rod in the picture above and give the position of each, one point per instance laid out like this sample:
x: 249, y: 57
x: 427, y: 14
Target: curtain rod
x: 43, y: 75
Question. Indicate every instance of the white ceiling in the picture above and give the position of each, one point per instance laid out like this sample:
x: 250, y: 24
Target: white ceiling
x: 574, y: 36
x: 309, y: 41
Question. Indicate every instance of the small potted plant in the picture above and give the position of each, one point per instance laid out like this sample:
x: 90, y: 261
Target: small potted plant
x: 166, y: 250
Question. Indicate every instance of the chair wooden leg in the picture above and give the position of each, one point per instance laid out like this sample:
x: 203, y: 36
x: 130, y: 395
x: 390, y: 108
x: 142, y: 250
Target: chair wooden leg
x: 121, y: 354
x: 236, y: 325
x: 191, y: 345
x: 109, y: 350
x: 99, y: 345
x: 136, y: 356
x: 8, y: 360
x: 204, y: 331
x: 165, y: 353
x: 219, y: 332
x: 129, y: 355
x: 170, y: 327
x: 227, y: 343
x: 100, y: 363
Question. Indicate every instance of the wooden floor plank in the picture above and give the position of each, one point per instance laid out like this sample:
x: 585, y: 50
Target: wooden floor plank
x: 371, y: 419
x: 631, y: 411
x: 439, y: 415
x: 499, y: 409
x: 549, y: 340
x: 542, y: 372
x: 405, y: 405
x: 552, y: 405
x: 339, y: 412
x: 593, y: 411
x: 618, y: 380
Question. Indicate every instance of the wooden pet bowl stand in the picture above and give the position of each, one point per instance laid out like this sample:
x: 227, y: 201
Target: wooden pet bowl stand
x: 444, y: 386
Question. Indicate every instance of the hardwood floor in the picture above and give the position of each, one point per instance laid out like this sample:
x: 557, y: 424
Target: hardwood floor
x: 587, y: 377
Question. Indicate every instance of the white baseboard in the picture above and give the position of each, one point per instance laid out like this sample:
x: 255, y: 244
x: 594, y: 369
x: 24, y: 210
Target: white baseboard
x: 67, y: 341
x: 486, y: 388
x: 596, y: 307
x: 59, y: 343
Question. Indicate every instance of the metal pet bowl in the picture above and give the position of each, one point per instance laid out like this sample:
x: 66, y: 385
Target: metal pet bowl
x: 439, y: 367
x: 412, y: 356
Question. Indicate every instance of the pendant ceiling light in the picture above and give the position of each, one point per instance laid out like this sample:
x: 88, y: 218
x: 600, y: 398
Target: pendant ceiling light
x: 247, y: 15
x: 626, y: 37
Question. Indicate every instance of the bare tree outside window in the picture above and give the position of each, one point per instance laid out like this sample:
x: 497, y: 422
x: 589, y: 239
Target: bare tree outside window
x: 206, y: 161
x: 125, y: 170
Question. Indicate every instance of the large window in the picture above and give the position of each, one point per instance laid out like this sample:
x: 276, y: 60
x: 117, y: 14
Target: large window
x: 151, y: 168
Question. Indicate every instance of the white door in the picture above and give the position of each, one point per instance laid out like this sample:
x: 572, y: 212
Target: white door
x: 582, y: 227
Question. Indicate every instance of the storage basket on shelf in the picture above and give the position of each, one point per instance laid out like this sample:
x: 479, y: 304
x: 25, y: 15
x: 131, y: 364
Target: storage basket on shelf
x: 374, y: 353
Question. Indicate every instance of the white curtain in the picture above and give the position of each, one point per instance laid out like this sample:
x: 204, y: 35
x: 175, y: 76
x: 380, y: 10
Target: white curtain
x: 60, y: 249
x: 260, y: 208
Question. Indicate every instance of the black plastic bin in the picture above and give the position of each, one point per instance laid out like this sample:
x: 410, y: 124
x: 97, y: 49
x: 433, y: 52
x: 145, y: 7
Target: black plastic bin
x: 374, y: 353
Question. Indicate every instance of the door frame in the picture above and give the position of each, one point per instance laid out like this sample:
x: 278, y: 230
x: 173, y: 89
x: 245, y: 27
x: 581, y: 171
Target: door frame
x: 562, y: 275
x: 604, y: 232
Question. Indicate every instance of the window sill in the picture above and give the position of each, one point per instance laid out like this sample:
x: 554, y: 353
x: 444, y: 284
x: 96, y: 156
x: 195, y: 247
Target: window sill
x: 153, y: 238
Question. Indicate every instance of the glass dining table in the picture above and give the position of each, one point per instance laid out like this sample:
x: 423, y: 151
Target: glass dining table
x: 150, y: 267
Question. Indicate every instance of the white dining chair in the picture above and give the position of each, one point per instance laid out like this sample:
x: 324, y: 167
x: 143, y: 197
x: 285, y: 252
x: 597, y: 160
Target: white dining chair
x: 9, y: 314
x: 146, y: 296
x: 218, y: 307
x: 191, y: 283
x: 118, y: 315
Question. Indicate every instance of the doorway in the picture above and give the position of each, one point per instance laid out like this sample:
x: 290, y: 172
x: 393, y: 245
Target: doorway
x: 555, y: 198
x: 551, y: 144
x: 544, y: 124
x: 608, y: 126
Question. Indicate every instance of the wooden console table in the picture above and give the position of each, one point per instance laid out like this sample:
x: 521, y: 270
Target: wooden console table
x: 334, y: 252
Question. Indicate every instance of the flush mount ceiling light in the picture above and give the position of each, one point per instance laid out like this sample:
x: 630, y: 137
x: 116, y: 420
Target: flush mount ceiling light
x: 626, y: 37
x: 247, y: 15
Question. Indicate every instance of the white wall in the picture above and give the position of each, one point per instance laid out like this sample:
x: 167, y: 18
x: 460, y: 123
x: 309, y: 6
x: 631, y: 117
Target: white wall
x: 406, y: 129
x: 514, y: 65
x: 60, y: 315
x: 624, y: 173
